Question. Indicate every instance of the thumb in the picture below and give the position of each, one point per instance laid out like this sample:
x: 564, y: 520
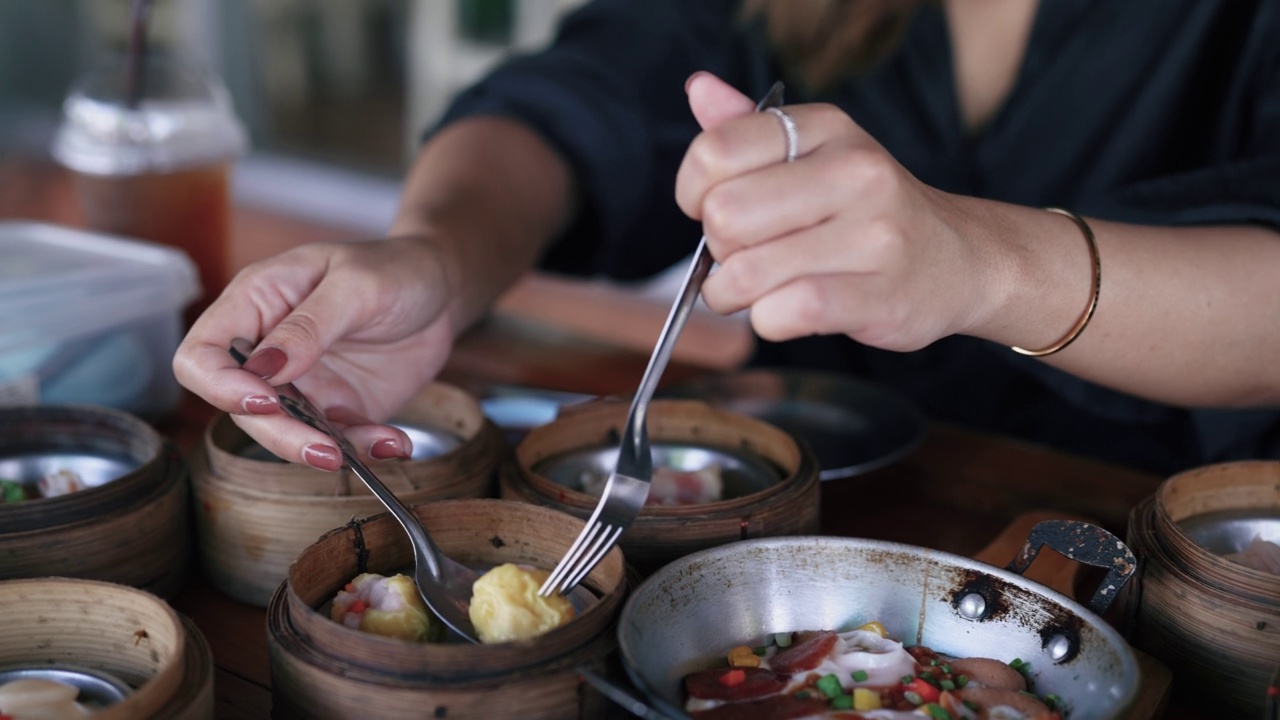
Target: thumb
x: 713, y: 100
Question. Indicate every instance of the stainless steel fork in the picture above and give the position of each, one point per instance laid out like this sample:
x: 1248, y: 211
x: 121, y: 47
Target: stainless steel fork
x: 628, y: 486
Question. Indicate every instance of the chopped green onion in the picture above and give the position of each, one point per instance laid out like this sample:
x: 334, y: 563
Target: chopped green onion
x: 761, y: 650
x: 928, y: 677
x: 947, y: 685
x: 1053, y: 701
x: 913, y: 697
x: 829, y: 685
x: 842, y: 702
x: 11, y: 492
x: 803, y: 694
x: 1016, y: 663
x: 937, y: 712
x: 962, y: 680
x: 782, y: 640
x: 908, y: 679
x: 859, y: 675
x: 946, y: 669
x: 971, y: 705
x: 933, y: 662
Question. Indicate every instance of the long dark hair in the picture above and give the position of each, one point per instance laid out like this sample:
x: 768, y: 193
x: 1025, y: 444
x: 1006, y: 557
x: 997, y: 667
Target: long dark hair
x: 821, y: 42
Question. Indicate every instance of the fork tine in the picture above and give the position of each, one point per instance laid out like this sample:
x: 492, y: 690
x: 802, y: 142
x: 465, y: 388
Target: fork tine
x: 584, y: 559
x: 589, y: 531
x: 607, y: 541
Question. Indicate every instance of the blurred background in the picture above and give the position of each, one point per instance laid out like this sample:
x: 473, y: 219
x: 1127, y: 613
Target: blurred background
x: 335, y: 95
x: 334, y: 92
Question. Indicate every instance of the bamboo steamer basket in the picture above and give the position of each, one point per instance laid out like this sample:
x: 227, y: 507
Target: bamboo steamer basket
x: 133, y: 530
x: 321, y: 669
x: 118, y: 630
x: 254, y: 515
x: 660, y: 534
x: 1214, y: 622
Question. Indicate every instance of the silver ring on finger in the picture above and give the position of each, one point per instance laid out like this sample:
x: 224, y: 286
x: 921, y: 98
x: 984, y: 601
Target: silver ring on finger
x: 788, y: 127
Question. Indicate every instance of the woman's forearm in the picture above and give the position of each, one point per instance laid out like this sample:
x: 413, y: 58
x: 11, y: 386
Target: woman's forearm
x: 1186, y: 315
x: 490, y: 194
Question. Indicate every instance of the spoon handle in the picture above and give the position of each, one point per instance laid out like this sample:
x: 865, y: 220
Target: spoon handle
x: 300, y: 408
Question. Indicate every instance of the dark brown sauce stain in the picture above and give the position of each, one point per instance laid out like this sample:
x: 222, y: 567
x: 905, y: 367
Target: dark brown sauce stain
x: 1021, y: 606
x: 497, y: 542
x: 139, y: 636
x: 358, y: 545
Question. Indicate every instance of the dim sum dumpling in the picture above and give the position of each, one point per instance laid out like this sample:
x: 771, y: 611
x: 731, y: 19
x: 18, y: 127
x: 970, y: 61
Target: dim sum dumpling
x: 35, y: 699
x: 388, y: 606
x: 505, y: 605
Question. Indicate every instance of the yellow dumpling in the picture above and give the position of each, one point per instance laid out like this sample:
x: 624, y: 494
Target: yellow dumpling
x: 505, y: 605
x: 388, y: 606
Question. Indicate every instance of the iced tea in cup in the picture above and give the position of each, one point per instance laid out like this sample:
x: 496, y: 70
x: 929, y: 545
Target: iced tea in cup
x: 151, y: 152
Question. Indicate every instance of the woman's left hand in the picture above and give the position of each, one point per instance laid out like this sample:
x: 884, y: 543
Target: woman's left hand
x: 842, y: 240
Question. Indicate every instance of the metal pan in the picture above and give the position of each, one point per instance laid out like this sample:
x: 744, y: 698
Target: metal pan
x: 685, y: 616
x: 853, y: 426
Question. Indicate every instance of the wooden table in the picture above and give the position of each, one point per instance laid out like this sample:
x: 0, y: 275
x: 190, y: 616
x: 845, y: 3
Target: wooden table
x: 956, y: 492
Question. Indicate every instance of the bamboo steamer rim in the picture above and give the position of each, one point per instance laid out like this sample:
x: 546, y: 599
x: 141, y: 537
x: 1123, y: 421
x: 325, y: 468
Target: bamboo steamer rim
x: 438, y: 406
x: 451, y: 523
x: 74, y: 622
x: 1240, y: 485
x: 1157, y: 556
x: 1216, y: 638
x: 282, y: 631
x: 776, y: 446
x: 94, y: 426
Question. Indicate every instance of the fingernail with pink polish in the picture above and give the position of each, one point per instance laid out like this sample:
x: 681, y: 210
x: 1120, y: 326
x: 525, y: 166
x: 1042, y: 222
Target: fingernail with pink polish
x: 386, y: 450
x: 322, y: 457
x: 266, y: 362
x: 260, y: 405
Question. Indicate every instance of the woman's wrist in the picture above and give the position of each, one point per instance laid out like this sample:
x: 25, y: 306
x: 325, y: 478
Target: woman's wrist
x: 1036, y: 272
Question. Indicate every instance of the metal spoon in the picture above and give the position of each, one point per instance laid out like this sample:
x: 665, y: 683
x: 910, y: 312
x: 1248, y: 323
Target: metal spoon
x: 443, y: 583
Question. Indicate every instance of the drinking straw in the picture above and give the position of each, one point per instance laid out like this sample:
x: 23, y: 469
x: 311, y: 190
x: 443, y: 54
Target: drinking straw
x: 137, y: 53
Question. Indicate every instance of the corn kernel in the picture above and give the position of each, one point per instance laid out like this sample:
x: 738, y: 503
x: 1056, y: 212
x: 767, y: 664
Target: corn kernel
x: 864, y: 699
x: 876, y: 628
x: 743, y: 656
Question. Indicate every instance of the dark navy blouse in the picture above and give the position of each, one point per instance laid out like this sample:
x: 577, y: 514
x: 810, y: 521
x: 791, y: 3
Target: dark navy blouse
x: 1161, y: 112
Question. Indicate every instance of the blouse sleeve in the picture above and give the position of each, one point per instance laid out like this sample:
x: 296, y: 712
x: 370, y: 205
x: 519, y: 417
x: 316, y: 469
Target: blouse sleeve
x: 608, y: 95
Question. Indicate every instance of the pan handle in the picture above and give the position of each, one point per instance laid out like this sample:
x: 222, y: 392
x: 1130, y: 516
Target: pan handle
x: 1084, y: 543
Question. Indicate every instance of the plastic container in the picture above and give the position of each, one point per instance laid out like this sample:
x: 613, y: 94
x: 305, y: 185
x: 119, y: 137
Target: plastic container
x: 151, y: 150
x: 90, y: 319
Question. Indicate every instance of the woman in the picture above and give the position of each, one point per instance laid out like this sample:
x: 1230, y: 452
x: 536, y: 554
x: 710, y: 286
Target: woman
x: 906, y: 242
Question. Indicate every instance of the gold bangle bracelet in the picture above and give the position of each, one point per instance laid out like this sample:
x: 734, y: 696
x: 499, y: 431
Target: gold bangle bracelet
x: 1093, y: 300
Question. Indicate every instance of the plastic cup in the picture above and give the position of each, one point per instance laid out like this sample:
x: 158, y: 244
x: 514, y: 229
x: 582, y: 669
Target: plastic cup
x: 151, y: 155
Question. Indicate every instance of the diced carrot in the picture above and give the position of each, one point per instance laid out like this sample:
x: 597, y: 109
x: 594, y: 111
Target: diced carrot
x: 733, y: 678
x: 358, y: 606
x: 351, y: 587
x: 928, y: 693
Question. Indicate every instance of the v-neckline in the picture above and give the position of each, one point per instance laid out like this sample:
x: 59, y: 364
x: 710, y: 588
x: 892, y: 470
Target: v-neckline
x: 1030, y: 63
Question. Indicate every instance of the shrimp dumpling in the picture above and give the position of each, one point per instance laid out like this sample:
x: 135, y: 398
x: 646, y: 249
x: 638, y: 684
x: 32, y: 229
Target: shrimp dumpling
x: 505, y: 605
x: 388, y: 606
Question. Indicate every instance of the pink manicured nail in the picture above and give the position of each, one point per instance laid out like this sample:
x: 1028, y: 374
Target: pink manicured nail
x: 386, y: 450
x: 322, y: 457
x: 260, y: 405
x: 266, y: 362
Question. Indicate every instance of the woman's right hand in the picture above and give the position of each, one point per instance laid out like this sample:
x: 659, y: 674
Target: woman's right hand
x: 359, y: 327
